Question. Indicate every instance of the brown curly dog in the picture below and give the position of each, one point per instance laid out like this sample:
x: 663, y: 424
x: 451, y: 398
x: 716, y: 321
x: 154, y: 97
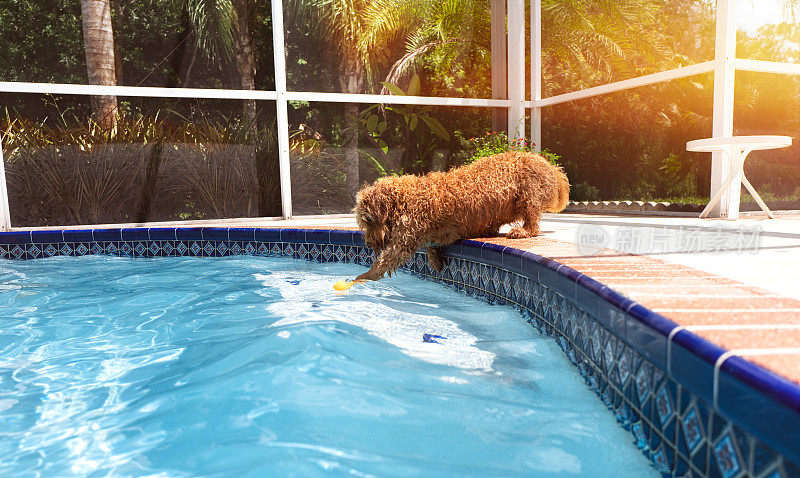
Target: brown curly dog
x: 401, y: 214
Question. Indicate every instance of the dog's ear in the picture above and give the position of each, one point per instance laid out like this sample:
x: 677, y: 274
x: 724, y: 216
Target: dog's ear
x: 383, y: 204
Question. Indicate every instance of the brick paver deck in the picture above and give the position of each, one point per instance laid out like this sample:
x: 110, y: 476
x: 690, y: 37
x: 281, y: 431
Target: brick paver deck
x: 758, y: 325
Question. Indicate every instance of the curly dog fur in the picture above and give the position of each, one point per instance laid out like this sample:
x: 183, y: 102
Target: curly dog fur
x: 401, y: 214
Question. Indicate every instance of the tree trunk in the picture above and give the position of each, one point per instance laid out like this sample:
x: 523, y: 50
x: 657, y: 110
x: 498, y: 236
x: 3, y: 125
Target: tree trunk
x: 190, y: 67
x: 245, y: 59
x: 352, y: 81
x: 98, y: 38
x: 119, y: 15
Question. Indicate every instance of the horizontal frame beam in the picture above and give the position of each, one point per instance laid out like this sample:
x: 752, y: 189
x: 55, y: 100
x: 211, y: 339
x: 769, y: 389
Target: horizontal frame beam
x: 660, y: 77
x: 226, y: 94
x: 394, y: 99
x: 140, y: 91
x: 767, y: 66
x: 229, y: 94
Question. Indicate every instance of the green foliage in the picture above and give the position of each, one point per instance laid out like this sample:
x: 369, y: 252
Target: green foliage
x: 628, y: 145
x: 358, y: 33
x: 215, y: 23
x: 494, y: 142
x: 584, y: 191
x: 414, y: 124
x: 65, y: 170
x: 41, y: 41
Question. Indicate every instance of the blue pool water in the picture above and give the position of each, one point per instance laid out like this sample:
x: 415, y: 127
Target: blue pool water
x: 248, y: 366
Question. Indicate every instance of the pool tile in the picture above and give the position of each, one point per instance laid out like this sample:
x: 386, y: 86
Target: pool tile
x: 693, y: 372
x: 158, y: 234
x: 241, y: 234
x: 32, y: 251
x: 765, y: 461
x: 756, y: 411
x: 215, y: 234
x: 133, y: 234
x: 140, y: 248
x: 107, y: 235
x: 49, y: 250
x: 267, y: 235
x: 492, y: 254
x: 44, y: 237
x: 168, y: 248
x: 22, y: 237
x: 125, y: 248
x: 154, y: 249
x: 342, y: 237
x: 645, y: 340
x: 295, y: 236
x: 471, y: 250
x: 317, y: 236
x: 512, y: 260
x: 188, y: 233
x: 78, y: 235
x: 181, y: 248
x: 787, y: 365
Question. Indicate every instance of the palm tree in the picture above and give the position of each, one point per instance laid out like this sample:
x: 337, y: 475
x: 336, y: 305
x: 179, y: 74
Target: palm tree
x: 98, y: 38
x: 360, y: 33
x: 223, y: 32
x: 588, y: 38
x: 791, y: 10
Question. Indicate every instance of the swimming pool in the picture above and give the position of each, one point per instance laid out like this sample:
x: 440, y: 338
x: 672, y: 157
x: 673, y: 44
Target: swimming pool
x: 689, y: 405
x: 254, y: 366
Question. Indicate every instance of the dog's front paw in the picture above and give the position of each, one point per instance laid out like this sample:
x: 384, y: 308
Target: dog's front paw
x: 369, y: 275
x: 517, y: 233
x: 435, y: 259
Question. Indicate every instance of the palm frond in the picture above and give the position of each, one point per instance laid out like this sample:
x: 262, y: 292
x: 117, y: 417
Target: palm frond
x: 791, y: 10
x: 215, y: 23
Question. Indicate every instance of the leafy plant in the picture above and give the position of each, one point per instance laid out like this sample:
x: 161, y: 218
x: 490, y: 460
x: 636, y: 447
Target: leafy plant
x: 494, y: 142
x: 584, y: 191
x: 415, y: 126
x: 63, y: 170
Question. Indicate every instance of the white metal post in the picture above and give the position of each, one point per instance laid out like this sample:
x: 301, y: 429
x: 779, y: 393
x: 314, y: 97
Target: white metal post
x: 5, y: 214
x: 516, y: 69
x: 282, y: 114
x: 499, y: 46
x: 724, y: 81
x: 536, y: 73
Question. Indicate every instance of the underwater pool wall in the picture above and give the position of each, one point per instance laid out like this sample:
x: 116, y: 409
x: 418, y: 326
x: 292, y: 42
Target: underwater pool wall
x: 693, y: 409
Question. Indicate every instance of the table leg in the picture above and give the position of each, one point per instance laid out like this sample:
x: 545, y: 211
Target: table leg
x: 714, y: 200
x: 722, y: 189
x: 755, y: 195
x: 736, y: 157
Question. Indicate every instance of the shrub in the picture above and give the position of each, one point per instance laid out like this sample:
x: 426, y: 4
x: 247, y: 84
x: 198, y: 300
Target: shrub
x: 497, y: 142
x: 583, y: 191
x: 70, y: 171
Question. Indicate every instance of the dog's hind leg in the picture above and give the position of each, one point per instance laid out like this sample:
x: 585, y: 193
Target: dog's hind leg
x: 530, y: 224
x: 435, y: 258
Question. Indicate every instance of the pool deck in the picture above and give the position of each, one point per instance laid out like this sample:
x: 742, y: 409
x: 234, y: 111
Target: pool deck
x: 735, y: 283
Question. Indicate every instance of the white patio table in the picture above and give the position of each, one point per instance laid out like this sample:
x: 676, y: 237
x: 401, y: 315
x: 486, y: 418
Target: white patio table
x: 737, y: 148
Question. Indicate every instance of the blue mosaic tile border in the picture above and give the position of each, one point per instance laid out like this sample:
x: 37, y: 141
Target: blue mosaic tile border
x: 657, y: 379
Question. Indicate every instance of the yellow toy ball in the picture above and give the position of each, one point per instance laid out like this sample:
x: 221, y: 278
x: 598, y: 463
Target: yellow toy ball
x: 342, y: 286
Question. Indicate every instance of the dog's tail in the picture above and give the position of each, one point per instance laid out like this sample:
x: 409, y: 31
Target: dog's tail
x: 561, y: 199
